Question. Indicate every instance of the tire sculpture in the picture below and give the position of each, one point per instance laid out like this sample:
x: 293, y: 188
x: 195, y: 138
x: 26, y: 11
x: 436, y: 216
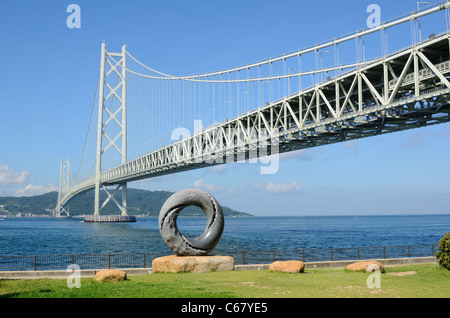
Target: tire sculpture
x: 170, y: 210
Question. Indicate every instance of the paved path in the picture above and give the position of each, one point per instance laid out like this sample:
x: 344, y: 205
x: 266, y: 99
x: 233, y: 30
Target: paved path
x: 63, y: 274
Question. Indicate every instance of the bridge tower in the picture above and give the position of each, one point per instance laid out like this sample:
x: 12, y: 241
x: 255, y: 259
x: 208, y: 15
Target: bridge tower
x: 112, y: 122
x: 64, y: 185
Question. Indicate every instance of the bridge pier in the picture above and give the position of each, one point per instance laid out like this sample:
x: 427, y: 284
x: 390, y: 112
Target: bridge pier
x: 110, y: 218
x: 406, y: 89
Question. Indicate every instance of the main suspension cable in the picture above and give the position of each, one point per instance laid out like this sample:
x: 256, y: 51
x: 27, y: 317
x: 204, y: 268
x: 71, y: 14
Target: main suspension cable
x: 89, y: 126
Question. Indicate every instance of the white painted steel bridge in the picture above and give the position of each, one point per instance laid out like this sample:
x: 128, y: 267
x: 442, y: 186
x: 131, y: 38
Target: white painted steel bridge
x: 265, y: 108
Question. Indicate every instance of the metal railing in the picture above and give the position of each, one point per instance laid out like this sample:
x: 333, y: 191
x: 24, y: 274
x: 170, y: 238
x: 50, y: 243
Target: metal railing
x: 144, y: 260
x: 334, y: 254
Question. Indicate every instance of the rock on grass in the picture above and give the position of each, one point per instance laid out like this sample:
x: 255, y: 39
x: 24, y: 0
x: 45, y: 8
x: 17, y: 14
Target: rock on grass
x: 110, y: 275
x: 287, y: 266
x: 368, y: 266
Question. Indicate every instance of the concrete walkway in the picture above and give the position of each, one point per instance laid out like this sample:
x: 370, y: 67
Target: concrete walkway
x: 63, y: 274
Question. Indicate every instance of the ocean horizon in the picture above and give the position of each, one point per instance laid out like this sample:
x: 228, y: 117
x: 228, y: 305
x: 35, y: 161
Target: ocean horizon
x: 66, y: 236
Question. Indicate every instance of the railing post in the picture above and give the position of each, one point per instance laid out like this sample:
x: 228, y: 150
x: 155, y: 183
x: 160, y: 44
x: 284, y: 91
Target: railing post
x: 244, y: 261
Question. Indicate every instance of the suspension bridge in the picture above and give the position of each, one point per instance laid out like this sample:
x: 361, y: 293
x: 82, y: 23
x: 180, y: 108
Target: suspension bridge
x: 295, y: 101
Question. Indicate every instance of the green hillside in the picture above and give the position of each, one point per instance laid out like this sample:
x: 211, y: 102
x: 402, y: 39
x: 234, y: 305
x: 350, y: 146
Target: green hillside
x: 140, y: 202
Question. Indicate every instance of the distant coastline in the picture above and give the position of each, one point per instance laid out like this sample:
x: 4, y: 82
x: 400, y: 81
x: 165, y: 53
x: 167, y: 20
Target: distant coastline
x: 141, y: 203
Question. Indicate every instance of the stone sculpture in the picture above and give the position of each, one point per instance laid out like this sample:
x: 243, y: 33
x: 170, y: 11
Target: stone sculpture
x: 180, y: 244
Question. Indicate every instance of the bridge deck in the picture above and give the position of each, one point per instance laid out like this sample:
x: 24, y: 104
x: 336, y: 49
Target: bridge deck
x: 408, y: 89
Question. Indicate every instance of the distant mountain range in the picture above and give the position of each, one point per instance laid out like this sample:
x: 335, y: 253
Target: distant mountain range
x: 140, y: 202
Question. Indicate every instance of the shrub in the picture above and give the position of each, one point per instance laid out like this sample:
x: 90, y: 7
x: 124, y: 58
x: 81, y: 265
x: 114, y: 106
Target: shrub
x: 443, y: 253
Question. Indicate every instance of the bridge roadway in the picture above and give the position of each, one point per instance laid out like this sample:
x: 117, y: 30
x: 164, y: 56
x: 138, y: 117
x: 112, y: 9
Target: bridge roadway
x: 405, y: 90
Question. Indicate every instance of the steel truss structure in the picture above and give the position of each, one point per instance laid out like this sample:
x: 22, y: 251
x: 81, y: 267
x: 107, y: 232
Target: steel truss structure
x: 408, y: 89
x: 117, y: 92
x: 65, y: 183
x: 404, y: 91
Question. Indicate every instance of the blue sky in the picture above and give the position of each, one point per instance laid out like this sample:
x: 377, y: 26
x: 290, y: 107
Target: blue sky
x: 49, y: 73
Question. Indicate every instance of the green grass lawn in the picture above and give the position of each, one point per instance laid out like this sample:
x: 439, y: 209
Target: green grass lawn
x: 398, y: 281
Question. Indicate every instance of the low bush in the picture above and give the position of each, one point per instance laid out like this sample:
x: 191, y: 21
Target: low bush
x: 443, y: 253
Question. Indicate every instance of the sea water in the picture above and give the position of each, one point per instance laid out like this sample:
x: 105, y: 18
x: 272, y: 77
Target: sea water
x: 66, y: 236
